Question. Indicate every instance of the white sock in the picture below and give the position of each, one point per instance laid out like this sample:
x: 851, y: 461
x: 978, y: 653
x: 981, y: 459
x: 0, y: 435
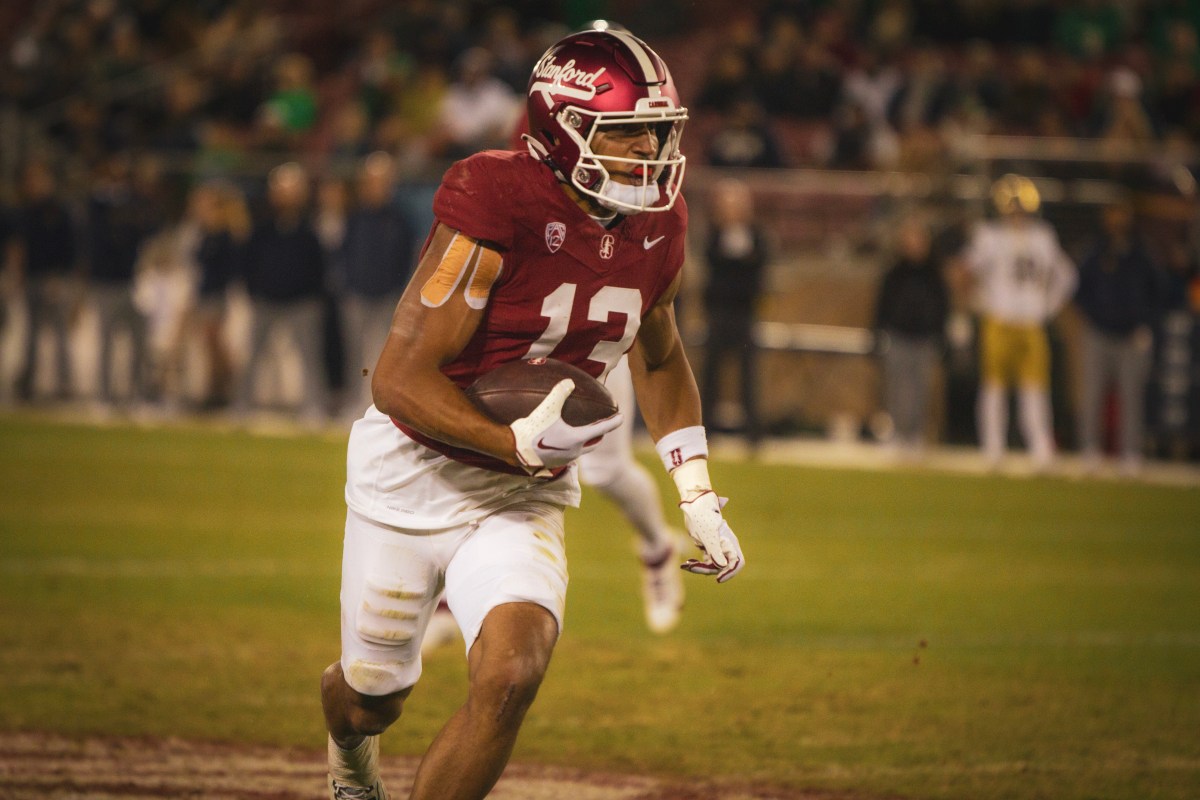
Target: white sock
x: 993, y: 421
x: 1036, y: 425
x: 636, y: 494
x: 356, y: 767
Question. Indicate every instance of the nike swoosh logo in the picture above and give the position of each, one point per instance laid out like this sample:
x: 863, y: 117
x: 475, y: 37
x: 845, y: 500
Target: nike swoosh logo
x: 543, y: 446
x: 648, y: 242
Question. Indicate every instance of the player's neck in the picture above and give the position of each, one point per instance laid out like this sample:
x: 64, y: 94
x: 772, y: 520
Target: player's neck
x: 604, y: 217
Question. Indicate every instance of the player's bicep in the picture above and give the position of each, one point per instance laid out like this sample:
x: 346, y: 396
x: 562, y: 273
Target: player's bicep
x: 460, y: 267
x: 444, y: 301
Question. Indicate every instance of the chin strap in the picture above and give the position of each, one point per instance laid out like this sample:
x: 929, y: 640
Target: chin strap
x: 536, y: 148
x: 626, y: 199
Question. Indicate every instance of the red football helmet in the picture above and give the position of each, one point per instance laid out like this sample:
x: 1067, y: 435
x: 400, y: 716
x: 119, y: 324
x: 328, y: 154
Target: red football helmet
x: 602, y: 78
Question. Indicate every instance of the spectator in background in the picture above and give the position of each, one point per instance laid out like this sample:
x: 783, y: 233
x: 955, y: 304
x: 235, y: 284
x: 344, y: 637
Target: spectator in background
x: 736, y: 253
x: 503, y: 40
x: 818, y: 82
x: 237, y: 91
x: 926, y: 94
x: 1089, y: 29
x: 124, y: 53
x: 1023, y: 278
x: 1123, y: 117
x: 329, y: 222
x: 122, y: 214
x: 745, y: 139
x: 924, y: 100
x: 180, y: 128
x: 382, y: 67
x: 83, y: 130
x: 284, y: 272
x: 1177, y: 101
x: 852, y: 137
x: 42, y: 255
x: 1118, y: 292
x: 351, y: 132
x: 910, y: 320
x: 164, y: 292
x: 219, y: 210
x: 478, y: 109
x: 728, y: 80
x: 291, y: 111
x: 1028, y: 97
x: 1173, y: 388
x: 979, y: 82
x: 871, y: 87
x: 775, y: 81
x: 416, y: 116
x: 376, y: 260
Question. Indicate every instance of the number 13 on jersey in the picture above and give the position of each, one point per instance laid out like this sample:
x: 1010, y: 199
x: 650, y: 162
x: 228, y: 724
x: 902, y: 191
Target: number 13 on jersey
x: 609, y: 300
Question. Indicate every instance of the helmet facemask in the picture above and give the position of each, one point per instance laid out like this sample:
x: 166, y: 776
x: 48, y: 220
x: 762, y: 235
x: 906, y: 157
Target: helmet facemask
x: 660, y: 175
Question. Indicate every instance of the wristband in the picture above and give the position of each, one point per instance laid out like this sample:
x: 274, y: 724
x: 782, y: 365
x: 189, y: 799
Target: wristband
x: 691, y: 479
x: 681, y: 446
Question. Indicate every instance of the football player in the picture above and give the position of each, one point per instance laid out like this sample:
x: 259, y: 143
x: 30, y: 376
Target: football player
x: 612, y: 470
x: 572, y: 250
x: 1023, y: 278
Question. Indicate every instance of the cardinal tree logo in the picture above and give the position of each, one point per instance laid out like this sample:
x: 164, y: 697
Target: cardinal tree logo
x: 556, y: 234
x: 606, y: 246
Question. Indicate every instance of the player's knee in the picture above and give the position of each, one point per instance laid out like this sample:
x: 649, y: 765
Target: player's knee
x: 506, y: 688
x: 374, y: 718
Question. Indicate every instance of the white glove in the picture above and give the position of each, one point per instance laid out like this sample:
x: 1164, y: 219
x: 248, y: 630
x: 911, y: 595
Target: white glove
x: 544, y: 442
x: 710, y: 531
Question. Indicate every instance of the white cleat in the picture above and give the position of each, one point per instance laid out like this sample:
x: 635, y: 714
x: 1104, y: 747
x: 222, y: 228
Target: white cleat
x: 344, y: 791
x: 662, y: 589
x: 441, y: 632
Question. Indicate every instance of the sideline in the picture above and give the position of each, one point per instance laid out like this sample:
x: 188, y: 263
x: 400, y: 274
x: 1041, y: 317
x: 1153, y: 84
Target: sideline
x: 806, y: 451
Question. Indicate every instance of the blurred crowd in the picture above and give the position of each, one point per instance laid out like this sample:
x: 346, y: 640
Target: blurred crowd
x: 228, y: 182
x: 319, y: 267
x: 897, y: 83
x: 223, y: 80
x: 840, y: 83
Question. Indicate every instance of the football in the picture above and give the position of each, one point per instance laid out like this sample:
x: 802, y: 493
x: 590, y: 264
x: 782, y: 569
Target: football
x: 512, y: 390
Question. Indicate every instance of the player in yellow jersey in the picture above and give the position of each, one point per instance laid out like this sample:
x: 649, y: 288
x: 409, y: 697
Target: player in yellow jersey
x: 1022, y: 279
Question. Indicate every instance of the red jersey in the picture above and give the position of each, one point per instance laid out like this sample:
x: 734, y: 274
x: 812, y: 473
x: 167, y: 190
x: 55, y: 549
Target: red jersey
x: 568, y: 288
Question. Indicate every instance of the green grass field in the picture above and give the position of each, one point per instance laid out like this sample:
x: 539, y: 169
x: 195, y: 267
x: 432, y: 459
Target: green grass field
x: 917, y: 634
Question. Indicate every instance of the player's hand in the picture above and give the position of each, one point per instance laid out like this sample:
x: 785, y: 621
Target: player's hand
x: 710, y: 531
x: 545, y: 442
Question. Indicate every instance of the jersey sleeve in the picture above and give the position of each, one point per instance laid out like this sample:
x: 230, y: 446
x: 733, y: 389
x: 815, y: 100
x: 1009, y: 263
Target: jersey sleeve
x: 473, y: 201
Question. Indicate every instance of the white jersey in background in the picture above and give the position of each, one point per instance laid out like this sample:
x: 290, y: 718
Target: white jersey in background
x: 1023, y: 276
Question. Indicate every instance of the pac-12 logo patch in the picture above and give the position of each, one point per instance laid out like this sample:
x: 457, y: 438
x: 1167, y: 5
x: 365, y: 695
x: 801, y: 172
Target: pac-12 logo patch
x: 606, y: 246
x: 556, y: 234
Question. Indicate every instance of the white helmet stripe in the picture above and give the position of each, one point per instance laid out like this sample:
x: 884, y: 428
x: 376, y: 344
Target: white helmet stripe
x: 649, y: 73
